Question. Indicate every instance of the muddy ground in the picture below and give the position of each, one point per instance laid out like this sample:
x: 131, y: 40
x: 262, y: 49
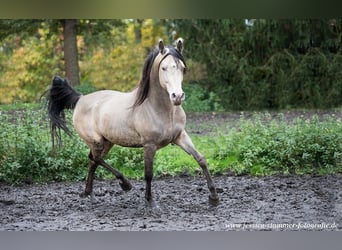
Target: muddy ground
x: 246, y: 203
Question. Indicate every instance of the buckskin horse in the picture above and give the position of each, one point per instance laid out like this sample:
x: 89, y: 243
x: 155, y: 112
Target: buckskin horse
x: 150, y: 116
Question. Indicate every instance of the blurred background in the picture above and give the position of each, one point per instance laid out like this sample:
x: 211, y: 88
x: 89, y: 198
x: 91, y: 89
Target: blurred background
x: 233, y: 64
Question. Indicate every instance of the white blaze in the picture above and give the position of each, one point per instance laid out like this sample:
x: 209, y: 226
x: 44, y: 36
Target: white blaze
x: 171, y: 77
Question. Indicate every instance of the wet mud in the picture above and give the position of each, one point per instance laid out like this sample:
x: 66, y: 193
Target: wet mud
x: 246, y: 203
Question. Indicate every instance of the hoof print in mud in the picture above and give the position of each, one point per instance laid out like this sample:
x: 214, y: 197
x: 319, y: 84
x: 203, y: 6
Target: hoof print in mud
x: 7, y: 202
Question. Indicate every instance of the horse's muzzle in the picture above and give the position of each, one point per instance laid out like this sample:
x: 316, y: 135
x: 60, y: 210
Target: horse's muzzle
x: 177, y: 99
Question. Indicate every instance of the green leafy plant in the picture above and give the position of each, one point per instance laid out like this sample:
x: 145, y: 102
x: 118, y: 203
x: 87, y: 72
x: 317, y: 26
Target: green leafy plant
x: 260, y: 145
x: 305, y: 146
x: 198, y: 99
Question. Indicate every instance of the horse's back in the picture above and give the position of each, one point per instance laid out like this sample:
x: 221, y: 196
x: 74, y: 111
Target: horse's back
x: 101, y: 111
x: 103, y: 99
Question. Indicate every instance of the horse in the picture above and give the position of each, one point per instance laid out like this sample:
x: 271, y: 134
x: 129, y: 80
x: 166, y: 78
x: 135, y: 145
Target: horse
x: 150, y: 116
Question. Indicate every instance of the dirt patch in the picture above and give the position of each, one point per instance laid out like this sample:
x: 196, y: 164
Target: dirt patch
x: 247, y: 203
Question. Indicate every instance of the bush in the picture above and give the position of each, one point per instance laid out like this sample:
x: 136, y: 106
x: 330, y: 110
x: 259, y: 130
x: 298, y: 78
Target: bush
x: 86, y: 88
x: 26, y: 152
x: 198, y: 99
x: 26, y: 155
x: 266, y: 146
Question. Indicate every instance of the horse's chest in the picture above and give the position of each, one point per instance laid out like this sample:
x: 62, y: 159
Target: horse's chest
x: 168, y: 134
x: 158, y: 128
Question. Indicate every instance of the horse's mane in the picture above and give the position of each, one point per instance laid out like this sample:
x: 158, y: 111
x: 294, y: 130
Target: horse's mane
x: 144, y: 84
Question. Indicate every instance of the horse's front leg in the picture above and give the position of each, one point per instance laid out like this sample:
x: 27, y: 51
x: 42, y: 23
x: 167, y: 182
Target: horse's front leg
x: 149, y: 153
x: 184, y: 141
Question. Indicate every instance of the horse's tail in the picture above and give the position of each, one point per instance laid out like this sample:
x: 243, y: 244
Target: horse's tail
x: 60, y: 96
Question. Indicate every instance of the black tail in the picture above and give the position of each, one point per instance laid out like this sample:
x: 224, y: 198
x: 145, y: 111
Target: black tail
x: 60, y: 96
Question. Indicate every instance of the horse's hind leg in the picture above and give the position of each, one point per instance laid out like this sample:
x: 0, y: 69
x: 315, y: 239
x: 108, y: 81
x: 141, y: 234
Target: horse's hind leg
x: 91, y: 174
x: 99, y: 153
x: 125, y: 184
x: 185, y: 142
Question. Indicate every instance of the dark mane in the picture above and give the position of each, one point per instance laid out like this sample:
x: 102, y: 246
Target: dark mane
x: 144, y: 84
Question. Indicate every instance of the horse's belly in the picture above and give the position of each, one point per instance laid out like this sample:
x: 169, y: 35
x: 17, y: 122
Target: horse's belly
x: 125, y: 138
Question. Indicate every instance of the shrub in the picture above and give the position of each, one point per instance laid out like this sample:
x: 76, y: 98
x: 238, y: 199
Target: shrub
x: 258, y: 146
x: 305, y: 146
x: 26, y: 151
x: 198, y: 99
x: 86, y: 88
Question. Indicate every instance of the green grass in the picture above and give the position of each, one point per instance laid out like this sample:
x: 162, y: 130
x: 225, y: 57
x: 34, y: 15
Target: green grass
x: 259, y: 146
x: 18, y: 106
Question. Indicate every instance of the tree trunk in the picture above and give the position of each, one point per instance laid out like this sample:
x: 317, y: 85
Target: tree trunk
x: 70, y: 51
x: 137, y: 30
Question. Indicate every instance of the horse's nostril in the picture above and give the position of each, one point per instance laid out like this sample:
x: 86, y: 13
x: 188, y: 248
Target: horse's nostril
x: 173, y: 95
x: 183, y: 94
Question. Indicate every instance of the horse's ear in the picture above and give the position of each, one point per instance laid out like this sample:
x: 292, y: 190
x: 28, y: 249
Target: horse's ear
x: 161, y: 46
x: 179, y: 44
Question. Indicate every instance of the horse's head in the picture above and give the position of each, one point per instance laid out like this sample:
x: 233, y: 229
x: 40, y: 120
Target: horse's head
x: 171, y: 71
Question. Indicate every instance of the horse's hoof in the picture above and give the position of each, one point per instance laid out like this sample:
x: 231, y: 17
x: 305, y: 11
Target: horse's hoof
x: 84, y: 194
x: 214, y: 200
x: 126, y: 186
x: 152, y: 208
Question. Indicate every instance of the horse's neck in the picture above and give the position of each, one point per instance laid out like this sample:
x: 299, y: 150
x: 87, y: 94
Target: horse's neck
x: 159, y: 99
